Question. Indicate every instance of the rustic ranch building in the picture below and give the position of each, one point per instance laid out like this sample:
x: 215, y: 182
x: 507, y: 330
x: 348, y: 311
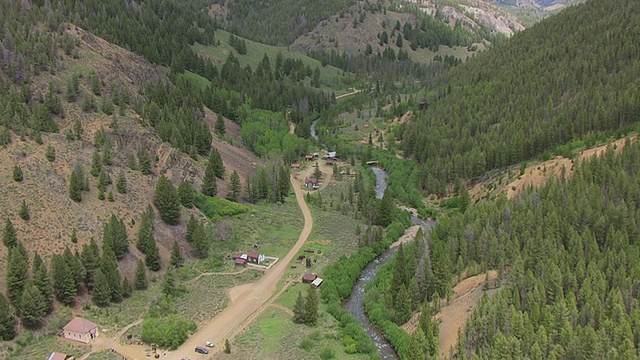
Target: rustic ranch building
x: 81, y: 330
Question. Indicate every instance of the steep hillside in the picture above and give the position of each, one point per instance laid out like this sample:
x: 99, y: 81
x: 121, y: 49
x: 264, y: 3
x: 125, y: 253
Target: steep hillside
x: 568, y: 76
x: 45, y: 188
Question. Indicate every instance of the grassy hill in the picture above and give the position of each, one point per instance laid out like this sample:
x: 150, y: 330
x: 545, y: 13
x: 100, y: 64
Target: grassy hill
x: 331, y: 77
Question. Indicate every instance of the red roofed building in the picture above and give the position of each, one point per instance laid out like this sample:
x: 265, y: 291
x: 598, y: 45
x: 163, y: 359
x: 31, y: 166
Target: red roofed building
x: 241, y: 262
x: 309, y: 157
x: 79, y: 329
x: 255, y: 257
x: 308, y: 278
x: 295, y: 166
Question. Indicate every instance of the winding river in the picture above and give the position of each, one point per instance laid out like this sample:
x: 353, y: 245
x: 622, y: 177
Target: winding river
x: 355, y: 303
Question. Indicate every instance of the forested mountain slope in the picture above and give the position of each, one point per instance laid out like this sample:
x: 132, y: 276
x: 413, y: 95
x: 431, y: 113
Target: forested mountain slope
x: 570, y: 250
x: 572, y: 74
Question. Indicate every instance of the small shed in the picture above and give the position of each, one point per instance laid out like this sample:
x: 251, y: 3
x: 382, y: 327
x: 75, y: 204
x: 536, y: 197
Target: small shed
x: 311, y: 183
x: 240, y: 262
x: 308, y: 157
x: 330, y: 162
x: 58, y: 356
x: 317, y: 282
x: 81, y: 330
x: 295, y: 166
x: 255, y: 257
x: 309, y: 278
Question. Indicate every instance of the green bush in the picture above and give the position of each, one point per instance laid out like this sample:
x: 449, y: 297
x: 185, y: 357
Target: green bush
x: 215, y: 207
x: 327, y: 353
x: 168, y: 331
x: 306, y: 344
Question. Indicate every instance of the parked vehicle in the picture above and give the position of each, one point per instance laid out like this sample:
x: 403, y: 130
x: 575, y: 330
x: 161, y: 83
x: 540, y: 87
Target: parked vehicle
x: 209, y: 344
x: 201, y: 350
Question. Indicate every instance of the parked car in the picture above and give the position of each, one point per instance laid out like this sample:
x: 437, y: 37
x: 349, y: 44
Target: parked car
x: 209, y: 344
x: 201, y: 350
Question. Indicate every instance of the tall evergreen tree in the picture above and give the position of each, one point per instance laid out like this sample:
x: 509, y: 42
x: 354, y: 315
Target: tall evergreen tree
x: 191, y: 228
x: 90, y: 261
x: 121, y: 183
x: 7, y: 320
x: 385, y: 210
x: 75, y: 187
x: 33, y: 306
x: 96, y: 163
x: 219, y: 126
x: 17, y: 275
x: 167, y: 201
x: 9, y: 236
x: 177, y: 260
x: 169, y: 284
x: 209, y: 186
x: 42, y: 280
x: 141, y: 276
x: 299, y: 309
x: 74, y: 262
x: 152, y: 258
x: 311, y: 304
x: 144, y: 162
x: 109, y: 267
x: 186, y: 194
x: 234, y: 187
x: 200, y: 241
x: 218, y: 165
x: 127, y: 290
x: 145, y: 232
x: 64, y: 284
x: 115, y: 237
x: 101, y: 292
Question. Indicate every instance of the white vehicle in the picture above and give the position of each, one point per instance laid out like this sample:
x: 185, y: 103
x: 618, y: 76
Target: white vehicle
x: 209, y: 344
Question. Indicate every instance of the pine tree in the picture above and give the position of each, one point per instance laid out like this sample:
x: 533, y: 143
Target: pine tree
x: 191, y: 228
x: 234, y: 187
x: 465, y: 199
x: 109, y: 267
x: 169, y: 286
x: 90, y: 261
x: 311, y: 306
x: 219, y: 126
x: 218, y: 165
x: 17, y: 274
x: 200, y: 241
x: 101, y: 293
x: 9, y: 236
x: 144, y: 162
x: 96, y: 164
x: 177, y: 260
x: 317, y: 174
x: 416, y: 347
x: 402, y: 306
x: 110, y: 196
x: 185, y: 192
x: 299, y: 310
x: 152, y: 258
x: 64, y: 284
x: 107, y: 155
x: 7, y: 320
x: 385, y: 210
x: 42, y: 280
x: 74, y: 263
x: 75, y: 187
x: 167, y: 201
x: 145, y: 232
x: 141, y: 276
x: 17, y: 174
x: 121, y: 183
x: 115, y: 237
x: 227, y: 346
x: 127, y: 290
x: 209, y: 186
x: 33, y: 306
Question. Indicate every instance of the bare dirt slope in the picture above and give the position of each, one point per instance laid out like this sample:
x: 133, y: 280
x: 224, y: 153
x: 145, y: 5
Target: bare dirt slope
x: 454, y: 315
x: 45, y: 187
x: 538, y: 174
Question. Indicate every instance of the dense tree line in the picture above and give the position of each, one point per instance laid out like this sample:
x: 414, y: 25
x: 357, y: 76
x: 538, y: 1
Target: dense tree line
x: 570, y: 254
x: 523, y: 98
x: 279, y: 22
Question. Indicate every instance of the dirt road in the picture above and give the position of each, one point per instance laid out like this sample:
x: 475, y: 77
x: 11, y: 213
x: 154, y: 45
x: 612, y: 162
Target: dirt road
x: 355, y: 91
x: 248, y: 302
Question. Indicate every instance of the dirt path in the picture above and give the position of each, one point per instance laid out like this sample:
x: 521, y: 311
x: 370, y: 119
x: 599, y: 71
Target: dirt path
x: 454, y: 315
x: 249, y: 301
x: 355, y: 91
x: 217, y: 273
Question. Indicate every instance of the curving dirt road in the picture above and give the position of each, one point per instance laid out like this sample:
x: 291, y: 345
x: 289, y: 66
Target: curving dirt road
x: 247, y: 303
